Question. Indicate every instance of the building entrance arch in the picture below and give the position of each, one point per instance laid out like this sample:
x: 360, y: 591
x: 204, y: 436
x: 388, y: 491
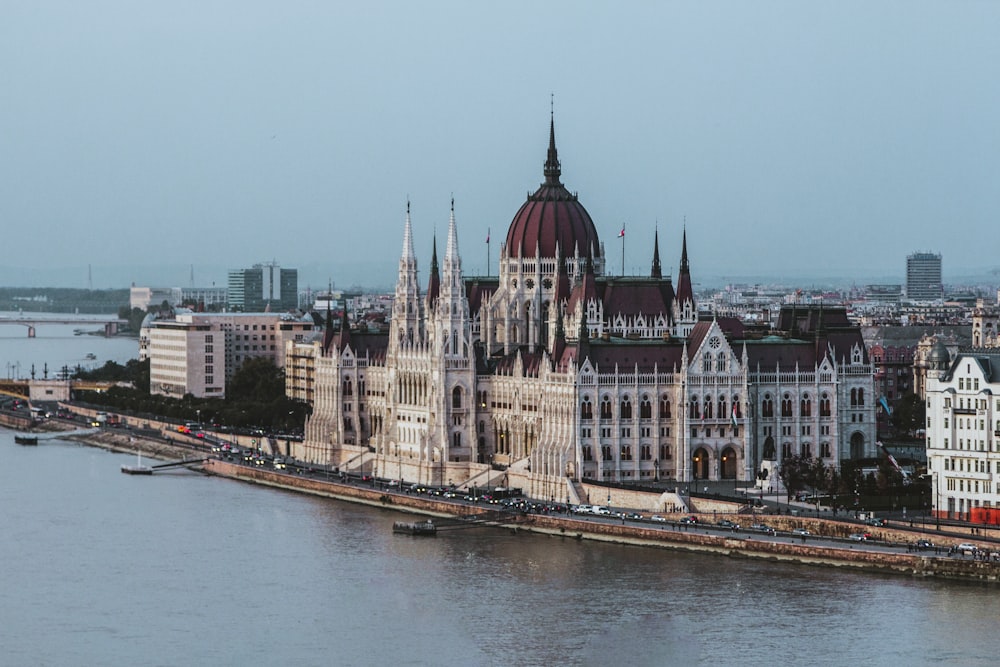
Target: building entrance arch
x: 728, y: 464
x: 699, y: 463
x: 857, y: 445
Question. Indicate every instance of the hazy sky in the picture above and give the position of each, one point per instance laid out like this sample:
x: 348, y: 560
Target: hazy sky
x: 798, y: 138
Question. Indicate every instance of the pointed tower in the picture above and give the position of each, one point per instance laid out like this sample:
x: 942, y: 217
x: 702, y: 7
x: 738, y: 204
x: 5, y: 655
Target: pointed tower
x: 685, y: 312
x: 452, y: 314
x: 407, y: 325
x: 434, y: 282
x: 656, y: 272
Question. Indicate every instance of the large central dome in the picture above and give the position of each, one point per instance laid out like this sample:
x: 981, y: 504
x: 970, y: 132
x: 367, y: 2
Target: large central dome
x: 552, y: 217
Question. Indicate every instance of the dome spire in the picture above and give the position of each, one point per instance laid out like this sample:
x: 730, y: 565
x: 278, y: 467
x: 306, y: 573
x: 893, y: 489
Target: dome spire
x: 552, y: 166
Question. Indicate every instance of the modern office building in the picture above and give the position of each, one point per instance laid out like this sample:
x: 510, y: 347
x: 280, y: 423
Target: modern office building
x: 264, y: 287
x: 197, y: 353
x: 923, y: 277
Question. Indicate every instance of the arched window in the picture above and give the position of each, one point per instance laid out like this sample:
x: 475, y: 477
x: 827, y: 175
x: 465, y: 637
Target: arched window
x: 456, y: 439
x: 645, y: 408
x: 626, y: 408
x: 586, y: 409
x: 854, y: 398
x: 861, y: 397
x: 786, y: 405
x: 767, y: 406
x: 706, y: 362
x: 605, y: 408
x: 720, y: 363
x: 824, y: 405
x: 722, y: 407
x: 348, y: 388
x: 456, y: 397
x: 737, y: 409
x: 708, y: 407
x: 805, y: 407
x: 694, y: 412
x: 664, y: 406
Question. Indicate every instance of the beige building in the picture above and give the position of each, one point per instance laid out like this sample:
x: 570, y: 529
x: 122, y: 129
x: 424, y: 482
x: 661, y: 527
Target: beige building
x: 197, y: 353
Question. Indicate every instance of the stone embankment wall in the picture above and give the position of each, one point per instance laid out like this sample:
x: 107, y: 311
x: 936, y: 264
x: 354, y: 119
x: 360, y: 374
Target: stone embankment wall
x: 738, y: 545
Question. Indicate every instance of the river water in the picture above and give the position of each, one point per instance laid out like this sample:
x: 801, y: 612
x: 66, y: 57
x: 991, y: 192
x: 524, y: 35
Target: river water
x: 101, y: 568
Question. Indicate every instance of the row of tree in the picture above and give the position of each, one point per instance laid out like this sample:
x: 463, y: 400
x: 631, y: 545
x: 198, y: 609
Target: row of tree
x: 255, y: 397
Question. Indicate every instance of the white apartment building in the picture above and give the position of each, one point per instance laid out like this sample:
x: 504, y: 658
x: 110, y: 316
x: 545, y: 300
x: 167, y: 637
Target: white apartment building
x: 197, y: 353
x: 963, y: 430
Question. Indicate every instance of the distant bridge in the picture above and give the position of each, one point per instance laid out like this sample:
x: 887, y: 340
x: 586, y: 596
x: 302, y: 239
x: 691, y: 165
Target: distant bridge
x: 49, y: 390
x: 111, y: 326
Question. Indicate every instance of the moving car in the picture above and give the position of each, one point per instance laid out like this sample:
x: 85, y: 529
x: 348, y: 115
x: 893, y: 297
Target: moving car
x: 801, y: 531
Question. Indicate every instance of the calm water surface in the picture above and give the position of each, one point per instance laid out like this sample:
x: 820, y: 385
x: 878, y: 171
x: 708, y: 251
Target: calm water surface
x: 179, y: 569
x: 100, y: 568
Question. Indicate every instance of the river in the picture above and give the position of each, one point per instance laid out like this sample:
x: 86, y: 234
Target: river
x: 100, y: 568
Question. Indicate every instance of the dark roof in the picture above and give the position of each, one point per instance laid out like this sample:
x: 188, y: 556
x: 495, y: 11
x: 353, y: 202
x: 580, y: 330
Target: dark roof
x: 552, y: 217
x: 478, y: 288
x: 664, y: 356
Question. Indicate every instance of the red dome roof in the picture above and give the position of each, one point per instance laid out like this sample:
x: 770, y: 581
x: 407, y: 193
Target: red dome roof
x: 552, y: 216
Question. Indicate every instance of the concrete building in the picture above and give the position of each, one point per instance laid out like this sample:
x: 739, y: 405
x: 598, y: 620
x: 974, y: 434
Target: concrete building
x: 963, y: 430
x: 197, y: 353
x: 923, y: 277
x: 553, y: 372
x: 144, y: 297
x: 264, y: 287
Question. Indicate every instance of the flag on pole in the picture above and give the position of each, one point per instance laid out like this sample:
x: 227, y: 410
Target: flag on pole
x: 735, y: 421
x: 621, y: 234
x: 487, y: 234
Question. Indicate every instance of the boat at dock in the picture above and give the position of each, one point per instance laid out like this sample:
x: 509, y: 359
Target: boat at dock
x: 137, y: 469
x: 26, y: 439
x: 415, y: 528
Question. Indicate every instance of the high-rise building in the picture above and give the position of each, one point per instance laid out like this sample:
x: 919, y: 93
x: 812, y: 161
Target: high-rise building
x: 263, y: 287
x: 923, y: 277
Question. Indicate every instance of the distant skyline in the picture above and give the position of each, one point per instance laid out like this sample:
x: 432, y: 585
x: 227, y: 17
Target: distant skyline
x: 799, y: 141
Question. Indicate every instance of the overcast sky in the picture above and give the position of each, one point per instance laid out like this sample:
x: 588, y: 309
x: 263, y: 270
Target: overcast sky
x: 798, y: 138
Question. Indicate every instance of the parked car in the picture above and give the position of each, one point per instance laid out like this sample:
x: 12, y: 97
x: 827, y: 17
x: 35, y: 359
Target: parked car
x: 878, y: 523
x: 966, y: 548
x: 801, y: 531
x: 762, y: 527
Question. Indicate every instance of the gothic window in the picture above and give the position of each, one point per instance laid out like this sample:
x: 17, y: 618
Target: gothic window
x: 456, y: 397
x: 720, y: 363
x: 626, y: 453
x: 706, y: 362
x: 708, y: 407
x: 456, y: 440
x: 694, y: 412
x: 737, y: 410
x: 348, y: 389
x: 806, y: 406
x: 722, y: 407
x: 605, y: 408
x: 806, y: 450
x: 605, y: 452
x: 861, y: 397
x: 767, y: 406
x: 824, y: 405
x: 626, y: 408
x: 786, y: 450
x: 786, y: 406
x: 586, y: 409
x: 664, y: 406
x: 854, y: 398
x: 645, y: 408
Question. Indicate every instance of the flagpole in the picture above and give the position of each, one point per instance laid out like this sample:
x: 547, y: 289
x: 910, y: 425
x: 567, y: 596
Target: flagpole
x: 622, y: 234
x: 487, y: 252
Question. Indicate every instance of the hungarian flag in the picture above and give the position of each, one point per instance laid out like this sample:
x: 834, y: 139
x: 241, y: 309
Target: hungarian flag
x: 621, y: 234
x: 735, y: 421
x: 487, y: 235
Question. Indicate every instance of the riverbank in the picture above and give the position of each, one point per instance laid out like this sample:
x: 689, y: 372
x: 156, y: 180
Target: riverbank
x: 666, y: 536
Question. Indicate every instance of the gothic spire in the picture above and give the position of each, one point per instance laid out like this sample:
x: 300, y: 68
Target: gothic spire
x: 408, y: 253
x: 552, y: 167
x: 451, y: 251
x: 656, y: 272
x: 434, y: 282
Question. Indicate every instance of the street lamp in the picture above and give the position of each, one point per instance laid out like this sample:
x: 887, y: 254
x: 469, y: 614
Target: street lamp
x: 937, y: 502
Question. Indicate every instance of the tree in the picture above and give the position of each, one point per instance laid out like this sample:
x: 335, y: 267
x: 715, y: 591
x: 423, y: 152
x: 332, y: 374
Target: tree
x: 794, y: 474
x: 909, y: 415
